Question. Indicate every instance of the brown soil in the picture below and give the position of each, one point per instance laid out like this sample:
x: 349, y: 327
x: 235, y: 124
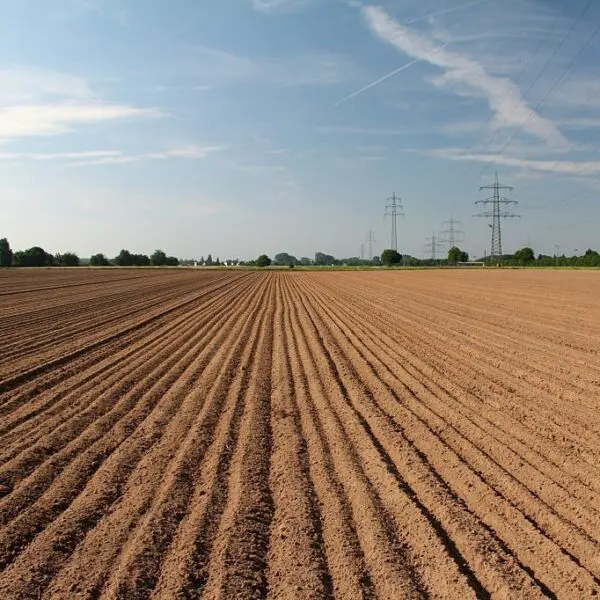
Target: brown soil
x: 187, y: 434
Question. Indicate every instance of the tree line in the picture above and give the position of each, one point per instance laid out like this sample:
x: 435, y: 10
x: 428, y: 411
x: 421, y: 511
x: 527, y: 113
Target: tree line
x: 38, y: 257
x: 524, y: 257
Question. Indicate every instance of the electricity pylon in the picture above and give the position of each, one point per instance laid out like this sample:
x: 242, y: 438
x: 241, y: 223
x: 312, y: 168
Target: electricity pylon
x: 496, y: 214
x: 370, y: 240
x: 451, y: 235
x: 393, y: 208
x: 433, y: 246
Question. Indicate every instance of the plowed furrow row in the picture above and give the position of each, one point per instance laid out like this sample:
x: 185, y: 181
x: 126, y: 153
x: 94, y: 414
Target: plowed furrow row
x: 103, y: 468
x: 156, y: 497
x: 422, y: 384
x: 161, y: 311
x: 296, y: 529
x: 100, y: 414
x: 528, y: 424
x: 67, y: 397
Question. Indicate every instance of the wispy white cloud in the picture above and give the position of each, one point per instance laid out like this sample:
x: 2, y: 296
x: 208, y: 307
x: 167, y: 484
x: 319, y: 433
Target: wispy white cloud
x: 503, y: 96
x: 112, y: 157
x: 51, y: 119
x: 119, y: 158
x: 584, y: 168
x: 41, y: 102
x: 50, y: 156
x: 30, y: 85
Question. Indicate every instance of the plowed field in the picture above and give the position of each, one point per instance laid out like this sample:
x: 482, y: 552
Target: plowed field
x: 184, y: 434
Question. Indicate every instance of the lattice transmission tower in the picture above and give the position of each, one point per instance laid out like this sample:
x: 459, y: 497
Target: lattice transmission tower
x: 496, y: 213
x: 433, y: 246
x: 394, y: 208
x: 370, y: 240
x: 452, y: 235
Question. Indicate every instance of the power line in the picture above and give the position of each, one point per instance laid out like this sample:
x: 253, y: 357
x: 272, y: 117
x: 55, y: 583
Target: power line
x: 508, y: 93
x: 536, y: 79
x: 496, y: 214
x: 558, y: 82
x: 393, y: 208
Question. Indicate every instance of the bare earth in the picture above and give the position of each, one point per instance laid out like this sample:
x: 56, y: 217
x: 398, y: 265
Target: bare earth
x: 183, y: 434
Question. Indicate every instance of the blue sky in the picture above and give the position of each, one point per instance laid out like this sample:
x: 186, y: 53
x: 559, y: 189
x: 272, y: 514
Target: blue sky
x: 238, y: 127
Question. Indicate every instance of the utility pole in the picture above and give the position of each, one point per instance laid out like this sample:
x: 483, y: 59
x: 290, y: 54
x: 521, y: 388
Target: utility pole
x: 393, y: 208
x: 557, y: 249
x: 432, y: 246
x: 451, y: 235
x: 496, y: 214
x: 362, y: 251
x: 370, y: 240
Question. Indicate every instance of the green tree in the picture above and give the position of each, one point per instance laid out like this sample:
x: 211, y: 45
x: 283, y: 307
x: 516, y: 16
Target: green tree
x: 263, y: 261
x: 524, y: 256
x: 33, y: 257
x: 390, y: 257
x: 124, y: 259
x: 6, y: 254
x: 172, y: 261
x: 285, y: 259
x: 324, y: 260
x: 141, y: 260
x: 99, y: 260
x: 456, y: 255
x: 158, y: 258
x: 68, y: 259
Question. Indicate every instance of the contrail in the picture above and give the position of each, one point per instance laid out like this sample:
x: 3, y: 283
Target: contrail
x: 394, y: 72
x: 445, y: 11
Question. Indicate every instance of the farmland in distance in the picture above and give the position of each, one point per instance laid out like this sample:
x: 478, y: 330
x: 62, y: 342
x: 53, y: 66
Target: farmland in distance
x: 238, y: 434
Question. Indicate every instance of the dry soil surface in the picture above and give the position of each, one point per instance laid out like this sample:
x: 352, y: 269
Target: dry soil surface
x: 191, y: 434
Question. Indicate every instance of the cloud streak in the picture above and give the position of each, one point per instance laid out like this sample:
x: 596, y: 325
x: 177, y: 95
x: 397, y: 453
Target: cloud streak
x: 188, y: 152
x: 565, y: 167
x: 50, y: 156
x: 112, y: 157
x: 476, y: 81
x: 30, y: 120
